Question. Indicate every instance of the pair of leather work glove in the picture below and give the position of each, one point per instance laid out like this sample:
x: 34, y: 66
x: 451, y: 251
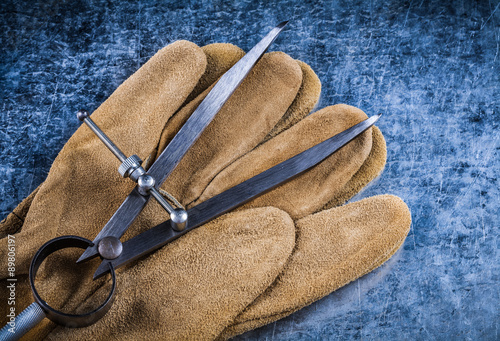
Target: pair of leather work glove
x: 255, y: 265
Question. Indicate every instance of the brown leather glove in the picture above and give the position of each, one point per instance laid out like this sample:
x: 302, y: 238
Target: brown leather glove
x: 280, y: 252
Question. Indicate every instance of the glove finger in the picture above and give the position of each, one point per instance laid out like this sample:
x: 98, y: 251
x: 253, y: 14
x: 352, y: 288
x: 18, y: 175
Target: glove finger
x: 194, y: 287
x: 220, y: 58
x: 310, y: 191
x: 243, y: 122
x: 74, y: 199
x: 371, y: 168
x: 333, y: 248
x: 304, y: 103
x: 135, y: 114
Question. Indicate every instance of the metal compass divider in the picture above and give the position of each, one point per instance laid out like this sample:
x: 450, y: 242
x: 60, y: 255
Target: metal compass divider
x: 156, y: 237
x: 114, y: 254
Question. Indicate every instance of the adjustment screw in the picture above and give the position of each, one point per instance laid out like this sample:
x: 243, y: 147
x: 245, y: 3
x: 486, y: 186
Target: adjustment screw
x: 129, y: 166
x: 145, y: 183
x: 82, y: 114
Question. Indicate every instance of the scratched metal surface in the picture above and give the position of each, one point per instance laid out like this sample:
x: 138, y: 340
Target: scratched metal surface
x: 431, y: 66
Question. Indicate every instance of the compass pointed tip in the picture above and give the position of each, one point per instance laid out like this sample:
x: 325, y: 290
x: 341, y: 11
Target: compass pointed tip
x: 86, y: 255
x: 374, y: 118
x: 283, y: 24
x: 98, y: 273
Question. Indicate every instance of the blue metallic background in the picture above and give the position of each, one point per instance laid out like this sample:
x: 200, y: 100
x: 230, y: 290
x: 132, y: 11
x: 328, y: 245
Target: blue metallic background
x: 432, y: 67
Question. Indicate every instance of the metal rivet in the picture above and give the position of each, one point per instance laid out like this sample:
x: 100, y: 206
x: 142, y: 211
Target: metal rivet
x: 145, y: 183
x: 110, y: 247
x: 178, y: 219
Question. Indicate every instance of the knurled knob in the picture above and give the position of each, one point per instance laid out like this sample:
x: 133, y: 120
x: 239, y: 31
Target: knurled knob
x: 129, y: 166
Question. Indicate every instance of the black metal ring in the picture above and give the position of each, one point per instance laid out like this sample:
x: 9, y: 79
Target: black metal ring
x: 68, y: 320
